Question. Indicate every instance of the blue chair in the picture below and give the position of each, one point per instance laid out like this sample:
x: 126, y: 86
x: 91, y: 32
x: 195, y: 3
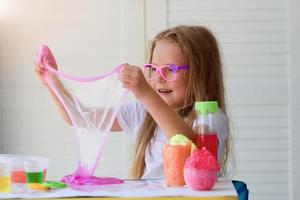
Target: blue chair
x: 241, y: 189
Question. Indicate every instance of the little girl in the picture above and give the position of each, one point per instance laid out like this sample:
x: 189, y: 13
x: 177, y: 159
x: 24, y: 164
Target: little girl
x: 184, y: 67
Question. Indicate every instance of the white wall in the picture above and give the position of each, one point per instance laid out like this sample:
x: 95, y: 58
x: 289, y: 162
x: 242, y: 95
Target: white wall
x: 94, y: 35
x: 294, y: 49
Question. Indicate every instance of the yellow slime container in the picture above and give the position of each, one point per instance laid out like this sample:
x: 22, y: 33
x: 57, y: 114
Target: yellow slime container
x: 4, y: 177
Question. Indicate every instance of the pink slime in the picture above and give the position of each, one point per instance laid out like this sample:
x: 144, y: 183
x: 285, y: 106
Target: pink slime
x: 45, y: 59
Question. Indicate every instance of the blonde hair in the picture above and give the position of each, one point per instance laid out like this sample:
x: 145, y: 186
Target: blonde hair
x: 205, y: 83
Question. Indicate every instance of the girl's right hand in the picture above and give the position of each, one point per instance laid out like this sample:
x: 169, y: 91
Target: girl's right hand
x: 134, y: 80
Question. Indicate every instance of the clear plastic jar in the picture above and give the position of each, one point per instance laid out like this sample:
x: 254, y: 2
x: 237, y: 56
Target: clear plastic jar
x: 204, y: 126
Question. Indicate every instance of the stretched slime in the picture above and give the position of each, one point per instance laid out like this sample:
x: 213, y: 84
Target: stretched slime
x: 91, y: 104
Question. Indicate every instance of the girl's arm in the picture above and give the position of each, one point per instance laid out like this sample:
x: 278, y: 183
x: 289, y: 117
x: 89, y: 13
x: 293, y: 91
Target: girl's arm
x: 41, y: 72
x: 166, y: 118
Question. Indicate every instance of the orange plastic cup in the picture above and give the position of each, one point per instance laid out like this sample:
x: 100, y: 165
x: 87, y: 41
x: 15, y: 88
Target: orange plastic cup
x: 174, y: 158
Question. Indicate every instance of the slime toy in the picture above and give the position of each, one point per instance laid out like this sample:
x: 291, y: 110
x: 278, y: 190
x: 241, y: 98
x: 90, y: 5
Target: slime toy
x: 38, y: 186
x: 91, y: 104
x: 180, y: 139
x: 46, y: 186
x: 201, y: 170
x: 54, y: 184
x: 4, y: 177
x: 174, y: 155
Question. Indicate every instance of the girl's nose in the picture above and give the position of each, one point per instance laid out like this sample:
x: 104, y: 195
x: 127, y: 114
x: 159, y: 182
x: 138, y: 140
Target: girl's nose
x: 160, y: 78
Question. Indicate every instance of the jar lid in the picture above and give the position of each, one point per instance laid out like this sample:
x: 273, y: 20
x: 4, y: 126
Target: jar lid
x: 204, y: 107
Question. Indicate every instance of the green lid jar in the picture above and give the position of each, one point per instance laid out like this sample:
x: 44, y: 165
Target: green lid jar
x: 205, y: 126
x: 204, y: 107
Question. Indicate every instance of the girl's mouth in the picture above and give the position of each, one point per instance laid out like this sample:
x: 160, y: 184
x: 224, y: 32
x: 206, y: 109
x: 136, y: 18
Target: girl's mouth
x: 164, y: 91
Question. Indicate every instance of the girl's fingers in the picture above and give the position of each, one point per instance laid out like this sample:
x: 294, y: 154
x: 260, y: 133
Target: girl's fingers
x: 129, y: 68
x: 131, y: 77
x: 125, y: 72
x: 125, y: 78
x: 131, y: 72
x: 123, y: 67
x: 40, y: 70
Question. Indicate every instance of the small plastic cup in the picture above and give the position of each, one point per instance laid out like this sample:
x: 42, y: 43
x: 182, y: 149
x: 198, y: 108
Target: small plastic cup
x: 18, y: 176
x: 4, y: 177
x: 34, y: 171
x: 174, y: 158
x: 17, y: 170
x: 44, y: 163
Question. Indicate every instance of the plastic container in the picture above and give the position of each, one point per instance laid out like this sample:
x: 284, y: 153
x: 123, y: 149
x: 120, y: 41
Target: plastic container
x: 17, y: 170
x: 35, y: 170
x: 174, y: 158
x: 17, y: 173
x: 201, y: 170
x: 4, y: 176
x: 204, y: 126
x: 200, y: 179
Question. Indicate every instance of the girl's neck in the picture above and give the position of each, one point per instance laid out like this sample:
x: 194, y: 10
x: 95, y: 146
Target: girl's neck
x: 184, y: 111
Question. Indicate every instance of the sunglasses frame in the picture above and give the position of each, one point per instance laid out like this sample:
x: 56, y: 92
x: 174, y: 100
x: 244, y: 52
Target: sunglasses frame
x: 159, y: 71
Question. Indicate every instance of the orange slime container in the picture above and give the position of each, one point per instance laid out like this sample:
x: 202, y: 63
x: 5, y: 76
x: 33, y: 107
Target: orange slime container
x: 174, y: 158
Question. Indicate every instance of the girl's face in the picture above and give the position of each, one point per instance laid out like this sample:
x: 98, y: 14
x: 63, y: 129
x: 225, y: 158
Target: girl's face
x: 172, y: 92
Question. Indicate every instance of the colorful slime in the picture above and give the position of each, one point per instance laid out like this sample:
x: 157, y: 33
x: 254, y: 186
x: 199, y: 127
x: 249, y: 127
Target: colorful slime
x: 201, y: 170
x: 91, y: 116
x: 174, y: 155
x: 180, y: 139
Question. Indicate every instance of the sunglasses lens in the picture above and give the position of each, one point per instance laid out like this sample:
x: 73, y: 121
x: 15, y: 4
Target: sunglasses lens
x: 168, y: 73
x: 149, y: 71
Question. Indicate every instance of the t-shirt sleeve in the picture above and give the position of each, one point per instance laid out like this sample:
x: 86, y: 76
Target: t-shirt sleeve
x: 130, y: 117
x: 221, y: 123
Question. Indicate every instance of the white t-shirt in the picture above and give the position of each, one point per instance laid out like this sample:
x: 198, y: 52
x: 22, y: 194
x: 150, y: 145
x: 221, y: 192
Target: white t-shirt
x: 131, y: 117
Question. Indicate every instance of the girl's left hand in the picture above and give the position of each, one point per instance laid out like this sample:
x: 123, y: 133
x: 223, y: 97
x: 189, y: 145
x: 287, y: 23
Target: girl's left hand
x: 134, y: 80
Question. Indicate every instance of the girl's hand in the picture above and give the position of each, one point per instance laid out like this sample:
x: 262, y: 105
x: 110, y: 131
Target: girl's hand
x: 42, y: 73
x: 134, y: 80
